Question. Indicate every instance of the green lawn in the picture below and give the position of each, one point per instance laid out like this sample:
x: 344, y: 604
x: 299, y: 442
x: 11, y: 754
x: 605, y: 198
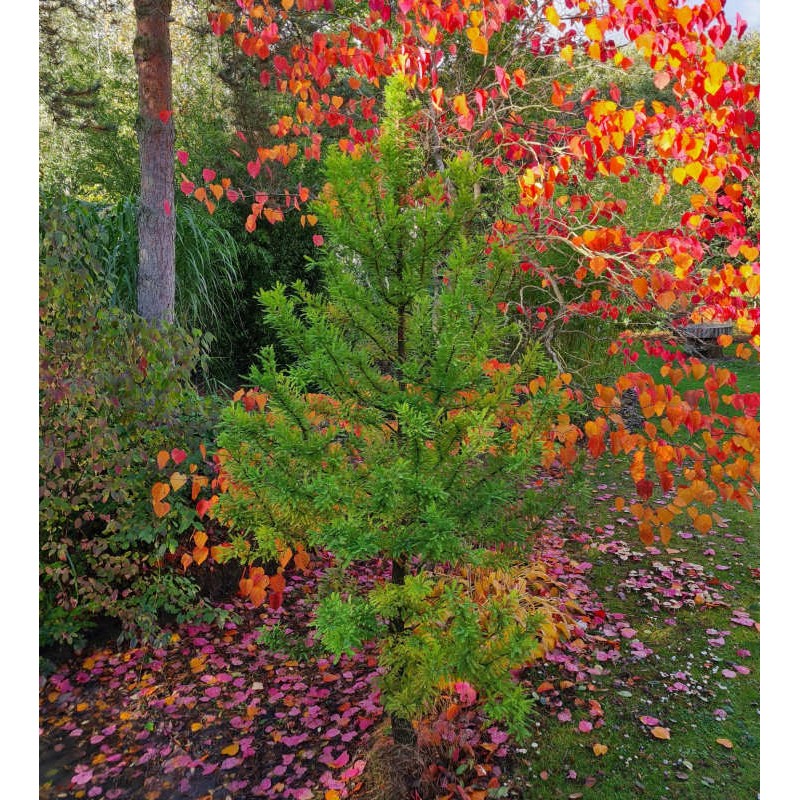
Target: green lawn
x: 701, y: 681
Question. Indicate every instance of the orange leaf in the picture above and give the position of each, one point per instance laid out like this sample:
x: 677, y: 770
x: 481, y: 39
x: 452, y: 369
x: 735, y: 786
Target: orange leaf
x: 725, y: 743
x: 332, y: 794
x: 285, y: 557
x: 703, y: 523
x: 200, y: 554
x: 545, y: 686
x: 200, y: 538
x: 231, y: 749
x: 619, y: 503
x: 724, y: 340
x: 597, y: 265
x: 217, y: 552
x: 301, y: 559
x: 162, y: 458
x: 599, y: 749
x: 186, y: 560
x: 258, y: 595
x: 660, y: 733
x: 158, y: 493
x: 277, y: 583
x: 666, y: 299
x: 698, y: 370
x: 640, y: 287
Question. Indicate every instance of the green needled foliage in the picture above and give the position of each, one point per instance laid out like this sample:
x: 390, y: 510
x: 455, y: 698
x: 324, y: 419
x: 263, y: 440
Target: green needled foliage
x: 400, y: 432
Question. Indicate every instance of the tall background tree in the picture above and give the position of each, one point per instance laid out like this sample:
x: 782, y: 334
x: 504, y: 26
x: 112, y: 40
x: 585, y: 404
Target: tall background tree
x: 156, y: 134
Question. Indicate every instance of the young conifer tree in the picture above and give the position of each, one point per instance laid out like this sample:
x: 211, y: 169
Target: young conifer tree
x: 403, y: 431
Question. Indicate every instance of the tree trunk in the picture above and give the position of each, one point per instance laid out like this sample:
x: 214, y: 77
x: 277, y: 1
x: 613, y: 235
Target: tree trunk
x: 156, y: 134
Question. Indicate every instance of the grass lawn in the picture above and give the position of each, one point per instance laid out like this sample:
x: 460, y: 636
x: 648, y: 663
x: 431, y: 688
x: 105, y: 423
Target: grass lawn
x: 695, y: 605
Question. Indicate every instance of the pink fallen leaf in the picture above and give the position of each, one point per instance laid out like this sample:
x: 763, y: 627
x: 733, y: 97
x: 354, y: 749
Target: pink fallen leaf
x: 337, y: 762
x: 466, y: 694
x: 183, y: 157
x: 649, y: 720
x: 209, y: 175
x: 584, y: 726
x: 354, y: 770
x: 82, y: 778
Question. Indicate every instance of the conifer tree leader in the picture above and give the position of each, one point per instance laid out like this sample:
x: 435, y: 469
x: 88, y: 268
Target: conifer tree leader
x: 156, y: 134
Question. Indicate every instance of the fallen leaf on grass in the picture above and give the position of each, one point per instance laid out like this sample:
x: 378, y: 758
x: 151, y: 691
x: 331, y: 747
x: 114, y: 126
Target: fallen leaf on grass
x: 599, y: 749
x: 660, y: 733
x: 725, y: 743
x: 649, y: 720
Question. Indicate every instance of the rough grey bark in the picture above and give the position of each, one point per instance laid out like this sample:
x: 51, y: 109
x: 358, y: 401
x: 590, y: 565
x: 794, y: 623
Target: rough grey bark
x: 153, y: 55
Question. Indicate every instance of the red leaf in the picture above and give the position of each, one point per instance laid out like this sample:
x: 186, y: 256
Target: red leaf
x: 202, y: 507
x: 178, y: 455
x: 275, y: 600
x: 164, y: 116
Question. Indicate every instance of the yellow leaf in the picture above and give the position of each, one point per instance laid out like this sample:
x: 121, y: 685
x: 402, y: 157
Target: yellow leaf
x: 711, y: 183
x: 231, y: 749
x: 750, y: 253
x: 176, y: 480
x: 195, y: 726
x: 552, y: 16
x: 599, y: 749
x: 660, y: 733
x: 593, y: 31
x: 200, y: 538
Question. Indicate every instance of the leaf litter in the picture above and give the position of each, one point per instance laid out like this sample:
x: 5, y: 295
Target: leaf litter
x: 223, y: 711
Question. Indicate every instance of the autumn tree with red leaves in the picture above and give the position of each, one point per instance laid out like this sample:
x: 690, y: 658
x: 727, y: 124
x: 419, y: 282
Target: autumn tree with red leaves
x: 498, y: 79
